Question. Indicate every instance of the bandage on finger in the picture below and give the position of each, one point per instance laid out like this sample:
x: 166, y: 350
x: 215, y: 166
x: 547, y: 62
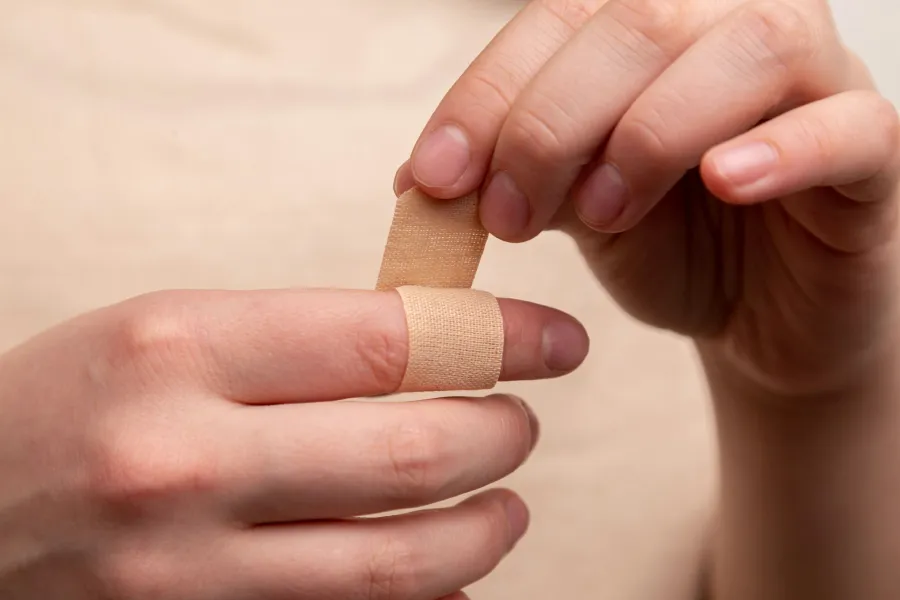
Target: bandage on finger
x: 455, y: 339
x: 455, y: 333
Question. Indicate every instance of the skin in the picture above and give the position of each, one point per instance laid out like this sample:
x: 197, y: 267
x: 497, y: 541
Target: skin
x: 730, y: 173
x: 187, y: 446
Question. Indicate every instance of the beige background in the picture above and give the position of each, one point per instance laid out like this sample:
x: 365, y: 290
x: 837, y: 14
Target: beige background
x: 151, y: 144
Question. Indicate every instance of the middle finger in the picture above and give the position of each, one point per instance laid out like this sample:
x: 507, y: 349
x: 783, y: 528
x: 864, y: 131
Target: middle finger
x: 452, y: 155
x: 571, y: 106
x: 336, y: 460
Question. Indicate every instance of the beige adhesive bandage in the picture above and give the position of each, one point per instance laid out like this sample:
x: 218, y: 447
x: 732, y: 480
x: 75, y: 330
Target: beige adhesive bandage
x: 455, y: 333
x: 435, y: 243
x: 453, y: 339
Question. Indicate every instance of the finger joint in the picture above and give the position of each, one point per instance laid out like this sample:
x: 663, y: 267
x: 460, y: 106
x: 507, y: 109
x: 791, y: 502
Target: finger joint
x: 415, y: 455
x: 390, y: 574
x: 542, y: 130
x: 779, y: 34
x: 572, y: 13
x: 384, y: 357
x: 661, y: 27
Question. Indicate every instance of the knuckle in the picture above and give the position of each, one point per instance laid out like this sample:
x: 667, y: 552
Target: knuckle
x: 780, y: 33
x: 645, y: 136
x: 531, y: 133
x: 152, y: 331
x: 664, y: 25
x: 492, y: 89
x: 572, y: 13
x: 482, y: 99
x: 653, y: 13
x: 135, y: 478
x: 391, y: 574
x: 383, y: 356
x: 816, y: 135
x: 415, y: 455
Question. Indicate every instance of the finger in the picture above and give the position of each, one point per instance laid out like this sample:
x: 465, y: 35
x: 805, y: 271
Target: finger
x: 558, y: 123
x: 317, y: 345
x: 849, y: 141
x: 764, y: 55
x: 295, y: 464
x: 420, y: 556
x: 453, y: 152
x: 403, y: 180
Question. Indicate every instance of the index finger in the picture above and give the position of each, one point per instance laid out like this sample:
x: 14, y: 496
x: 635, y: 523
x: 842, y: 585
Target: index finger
x: 271, y: 347
x: 452, y: 155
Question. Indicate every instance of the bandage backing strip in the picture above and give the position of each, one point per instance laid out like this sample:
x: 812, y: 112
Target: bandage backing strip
x: 456, y: 334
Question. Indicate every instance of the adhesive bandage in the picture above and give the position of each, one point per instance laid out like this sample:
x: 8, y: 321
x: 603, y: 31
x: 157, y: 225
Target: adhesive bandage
x: 456, y: 334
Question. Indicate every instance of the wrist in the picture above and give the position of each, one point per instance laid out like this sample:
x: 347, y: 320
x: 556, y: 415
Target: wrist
x: 806, y: 480
x: 807, y: 375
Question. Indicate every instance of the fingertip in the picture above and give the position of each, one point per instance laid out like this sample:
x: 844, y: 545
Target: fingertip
x: 518, y: 516
x: 712, y: 178
x: 717, y: 183
x: 444, y: 163
x: 505, y: 211
x: 540, y: 342
x: 403, y: 179
x: 564, y: 345
x: 743, y: 171
x: 491, y: 496
x: 534, y: 425
x: 604, y: 228
x: 602, y: 198
x: 516, y: 511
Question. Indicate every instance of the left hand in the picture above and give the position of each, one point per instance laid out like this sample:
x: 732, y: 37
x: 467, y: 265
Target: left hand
x: 733, y: 174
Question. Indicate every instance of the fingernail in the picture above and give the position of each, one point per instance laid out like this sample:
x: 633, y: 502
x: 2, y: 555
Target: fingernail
x: 746, y: 164
x: 533, y: 423
x: 403, y: 180
x: 505, y: 210
x: 517, y: 516
x: 601, y: 199
x: 564, y: 345
x: 442, y: 158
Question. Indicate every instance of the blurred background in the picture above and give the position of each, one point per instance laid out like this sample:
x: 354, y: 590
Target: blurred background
x: 151, y: 144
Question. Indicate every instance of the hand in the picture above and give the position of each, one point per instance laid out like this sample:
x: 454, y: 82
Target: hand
x: 183, y: 446
x: 727, y: 169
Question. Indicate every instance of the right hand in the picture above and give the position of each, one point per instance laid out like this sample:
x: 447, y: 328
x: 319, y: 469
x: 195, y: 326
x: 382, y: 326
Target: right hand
x: 182, y: 446
x: 727, y: 169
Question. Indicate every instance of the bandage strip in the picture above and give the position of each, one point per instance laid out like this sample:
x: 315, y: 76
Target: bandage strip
x: 453, y: 339
x: 435, y: 243
x: 456, y: 334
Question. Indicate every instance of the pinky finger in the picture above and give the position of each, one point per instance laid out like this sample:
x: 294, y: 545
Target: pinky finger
x: 415, y: 556
x: 849, y: 141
